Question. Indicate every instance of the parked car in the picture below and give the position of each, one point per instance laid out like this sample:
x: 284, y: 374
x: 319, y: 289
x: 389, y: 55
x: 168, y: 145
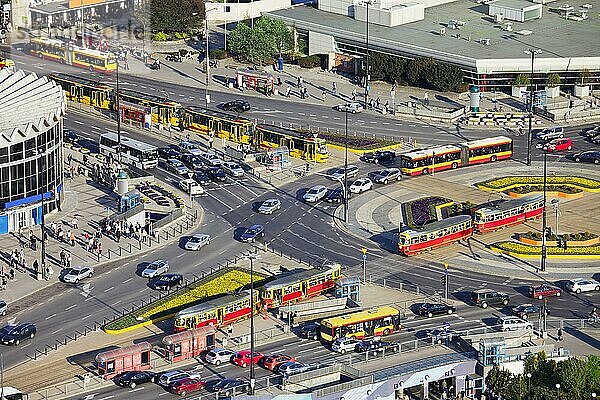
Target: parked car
x: 376, y: 346
x: 176, y: 167
x: 190, y: 148
x: 216, y: 174
x: 592, y: 132
x: 228, y: 387
x: 76, y: 274
x: 252, y: 233
x: 15, y: 334
x: 184, y: 386
x: 558, y: 145
x: 488, y: 297
x: 168, y: 153
x: 237, y: 106
x: 232, y: 168
x: 69, y: 136
x: 192, y: 162
x: 133, y: 378
x: 595, y: 139
x: 385, y: 176
x: 337, y: 195
x: 244, y: 358
x: 588, y: 156
x: 361, y: 185
x: 440, y: 335
x: 167, y: 378
x: 429, y: 310
x: 273, y: 361
x: 219, y: 355
x: 522, y: 311
x: 202, y: 178
x: 544, y: 290
x: 3, y: 307
x: 155, y: 268
x: 191, y: 186
x: 338, y: 173
x: 168, y: 281
x: 269, y: 206
x: 377, y: 157
x: 197, y: 241
x: 344, y: 344
x: 583, y: 285
x: 294, y: 367
x: 310, y: 330
x: 353, y: 107
x: 315, y: 194
x: 513, y: 324
x: 555, y: 132
x: 211, y: 159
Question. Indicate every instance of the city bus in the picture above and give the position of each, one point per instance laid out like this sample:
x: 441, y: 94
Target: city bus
x: 380, y: 321
x: 435, y: 234
x: 164, y: 111
x: 301, y: 145
x: 49, y: 49
x: 220, y: 311
x: 452, y: 156
x: 509, y: 212
x: 141, y: 155
x: 202, y: 120
x: 7, y: 63
x: 85, y: 91
x: 299, y: 285
x: 93, y: 60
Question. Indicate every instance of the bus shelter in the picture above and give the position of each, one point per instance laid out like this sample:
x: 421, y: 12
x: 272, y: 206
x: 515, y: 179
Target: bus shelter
x: 136, y: 114
x: 189, y: 343
x: 131, y: 358
x: 260, y: 80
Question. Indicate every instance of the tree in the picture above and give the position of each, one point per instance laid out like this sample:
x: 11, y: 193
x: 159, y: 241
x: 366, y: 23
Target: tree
x: 277, y: 33
x: 553, y: 80
x: 172, y: 16
x: 521, y: 80
x: 593, y: 372
x: 584, y: 76
x: 572, y: 374
x: 268, y: 38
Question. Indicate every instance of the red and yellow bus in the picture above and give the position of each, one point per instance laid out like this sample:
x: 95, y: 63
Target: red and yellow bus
x: 49, y: 49
x: 64, y: 53
x: 425, y: 161
x: 509, y: 212
x: 221, y: 311
x: 380, y: 321
x: 299, y: 285
x: 435, y: 234
x: 7, y: 63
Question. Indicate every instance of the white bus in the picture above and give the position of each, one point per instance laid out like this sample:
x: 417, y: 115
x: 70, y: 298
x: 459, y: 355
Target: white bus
x: 139, y: 154
x: 10, y: 393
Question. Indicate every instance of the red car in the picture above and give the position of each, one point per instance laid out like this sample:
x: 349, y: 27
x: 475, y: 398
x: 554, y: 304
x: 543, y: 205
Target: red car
x: 243, y: 358
x: 186, y: 385
x: 275, y: 360
x: 558, y: 145
x: 541, y: 291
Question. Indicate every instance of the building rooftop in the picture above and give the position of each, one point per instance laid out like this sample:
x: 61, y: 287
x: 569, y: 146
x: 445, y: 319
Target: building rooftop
x: 56, y: 7
x: 556, y: 36
x: 28, y: 104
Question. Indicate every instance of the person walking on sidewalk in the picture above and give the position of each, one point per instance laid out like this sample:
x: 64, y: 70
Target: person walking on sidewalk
x: 353, y: 94
x: 63, y: 258
x: 334, y: 88
x: 324, y: 96
x: 287, y: 91
x: 32, y: 241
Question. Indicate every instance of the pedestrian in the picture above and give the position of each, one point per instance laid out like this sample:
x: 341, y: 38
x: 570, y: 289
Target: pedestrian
x: 35, y: 266
x: 63, y: 258
x: 32, y: 241
x: 353, y: 94
x: 279, y: 83
x: 334, y: 88
x: 69, y: 260
x: 287, y: 92
x: 559, y: 335
x: 301, y: 81
x: 426, y: 98
x: 210, y: 140
x: 377, y: 102
x: 85, y: 159
x: 99, y: 248
x: 11, y: 274
x: 72, y: 239
x: 324, y: 95
x: 306, y: 96
x: 299, y: 84
x: 157, y: 64
x: 69, y: 159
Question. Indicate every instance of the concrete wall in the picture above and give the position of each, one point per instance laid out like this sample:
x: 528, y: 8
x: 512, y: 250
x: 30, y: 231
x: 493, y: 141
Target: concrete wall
x: 241, y: 11
x: 343, y: 7
x: 398, y: 14
x: 319, y: 43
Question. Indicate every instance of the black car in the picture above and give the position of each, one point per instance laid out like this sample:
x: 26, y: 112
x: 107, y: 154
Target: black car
x: 379, y: 156
x: 376, y: 346
x: 336, y: 195
x: 168, y: 152
x: 429, y: 310
x: 588, y: 156
x: 216, y: 174
x: 70, y: 137
x: 17, y: 333
x: 167, y: 281
x: 133, y: 378
x: 201, y: 177
x: 192, y: 162
x: 310, y: 330
x: 593, y: 132
x: 524, y: 310
x: 237, y: 106
x: 228, y: 387
x: 595, y: 139
x: 252, y: 233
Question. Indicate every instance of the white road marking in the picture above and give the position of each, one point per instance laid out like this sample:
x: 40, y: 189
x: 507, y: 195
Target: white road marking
x: 305, y: 344
x: 95, y: 127
x: 110, y: 288
x: 135, y: 390
x: 50, y: 316
x: 56, y: 331
x: 181, y: 255
x: 68, y: 308
x: 127, y: 280
x: 87, y: 316
x: 78, y: 122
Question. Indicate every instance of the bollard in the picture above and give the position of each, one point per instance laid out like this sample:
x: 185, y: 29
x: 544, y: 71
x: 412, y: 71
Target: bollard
x: 417, y: 290
x: 400, y: 286
x: 384, y: 282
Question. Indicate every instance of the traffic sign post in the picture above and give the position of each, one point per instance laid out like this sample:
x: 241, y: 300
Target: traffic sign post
x: 445, y: 281
x: 364, y: 251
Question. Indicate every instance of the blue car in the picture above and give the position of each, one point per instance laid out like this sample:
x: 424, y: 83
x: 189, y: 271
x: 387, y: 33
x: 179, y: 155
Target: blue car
x: 252, y: 233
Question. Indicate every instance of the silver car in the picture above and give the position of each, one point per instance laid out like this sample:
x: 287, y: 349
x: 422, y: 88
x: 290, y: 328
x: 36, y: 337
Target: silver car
x: 293, y: 367
x: 218, y: 356
x: 556, y: 132
x: 155, y: 268
x: 197, y: 241
x: 351, y: 172
x: 385, y: 176
x: 354, y: 107
x: 75, y: 274
x: 315, y: 194
x: 177, y: 167
x: 269, y: 206
x: 168, y: 378
x: 233, y: 169
x: 211, y: 159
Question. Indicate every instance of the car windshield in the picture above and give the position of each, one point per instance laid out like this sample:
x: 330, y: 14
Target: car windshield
x: 195, y: 239
x: 313, y: 191
x: 252, y: 231
x: 269, y: 203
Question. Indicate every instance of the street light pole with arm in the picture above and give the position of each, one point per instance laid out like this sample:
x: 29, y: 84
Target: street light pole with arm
x: 345, y: 191
x: 533, y: 53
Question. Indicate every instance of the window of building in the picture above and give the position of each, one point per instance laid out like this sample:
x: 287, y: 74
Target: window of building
x: 16, y: 152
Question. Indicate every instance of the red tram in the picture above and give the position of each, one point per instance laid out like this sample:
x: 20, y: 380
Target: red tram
x: 509, y: 212
x: 435, y: 234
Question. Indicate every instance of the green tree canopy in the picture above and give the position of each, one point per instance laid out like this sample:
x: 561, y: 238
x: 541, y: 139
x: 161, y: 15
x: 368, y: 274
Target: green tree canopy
x: 268, y: 38
x: 172, y: 16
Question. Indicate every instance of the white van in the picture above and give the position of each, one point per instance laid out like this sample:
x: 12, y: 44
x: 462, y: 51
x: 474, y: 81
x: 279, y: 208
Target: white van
x: 514, y: 324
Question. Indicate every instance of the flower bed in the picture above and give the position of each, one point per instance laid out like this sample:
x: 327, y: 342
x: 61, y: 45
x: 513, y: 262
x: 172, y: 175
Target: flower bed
x: 220, y: 282
x: 525, y: 250
x: 572, y: 239
x: 423, y: 211
x: 509, y: 182
x: 549, y: 188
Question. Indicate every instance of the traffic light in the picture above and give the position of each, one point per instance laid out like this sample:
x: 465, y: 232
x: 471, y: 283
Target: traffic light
x: 443, y: 280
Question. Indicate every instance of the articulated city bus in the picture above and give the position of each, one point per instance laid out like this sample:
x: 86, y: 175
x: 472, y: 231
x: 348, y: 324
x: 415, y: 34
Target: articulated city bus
x: 435, y: 234
x: 225, y: 126
x: 85, y: 91
x: 64, y: 53
x: 7, y: 63
x: 301, y: 145
x: 509, y: 212
x: 299, y: 285
x: 380, y: 321
x: 141, y: 155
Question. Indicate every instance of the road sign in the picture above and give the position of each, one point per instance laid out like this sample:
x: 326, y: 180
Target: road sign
x: 364, y: 250
x: 364, y: 256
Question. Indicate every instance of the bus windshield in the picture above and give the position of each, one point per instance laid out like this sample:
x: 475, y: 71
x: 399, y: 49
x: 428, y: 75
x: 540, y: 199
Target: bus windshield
x: 327, y: 330
x: 149, y: 155
x: 322, y: 148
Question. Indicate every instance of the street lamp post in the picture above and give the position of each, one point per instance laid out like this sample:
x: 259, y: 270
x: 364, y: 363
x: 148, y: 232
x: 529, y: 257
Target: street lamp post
x: 556, y: 203
x: 364, y: 251
x: 367, y: 4
x: 528, y: 382
x: 117, y: 102
x: 207, y: 98
x: 544, y: 219
x: 345, y: 191
x: 252, y: 380
x: 533, y: 53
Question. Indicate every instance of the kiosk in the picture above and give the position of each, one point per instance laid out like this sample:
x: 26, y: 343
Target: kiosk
x: 131, y: 358
x: 348, y: 288
x: 189, y: 344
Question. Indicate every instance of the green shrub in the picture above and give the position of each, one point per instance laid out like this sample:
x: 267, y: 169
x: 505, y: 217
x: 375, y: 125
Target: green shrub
x: 217, y: 54
x: 553, y: 80
x: 310, y: 61
x: 180, y: 35
x: 521, y: 80
x: 159, y: 37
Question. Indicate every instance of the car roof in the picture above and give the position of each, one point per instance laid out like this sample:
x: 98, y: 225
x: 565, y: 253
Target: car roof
x: 318, y: 187
x: 200, y: 235
x: 255, y: 226
x: 79, y: 267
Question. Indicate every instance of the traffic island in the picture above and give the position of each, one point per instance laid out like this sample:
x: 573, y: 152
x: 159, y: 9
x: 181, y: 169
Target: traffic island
x: 564, y: 186
x: 523, y: 250
x: 356, y: 143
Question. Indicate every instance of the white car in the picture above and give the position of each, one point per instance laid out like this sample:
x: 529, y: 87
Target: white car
x: 385, y: 176
x: 218, y: 356
x: 513, y: 324
x: 361, y: 185
x: 344, y: 344
x: 583, y: 285
x: 269, y: 206
x: 197, y: 241
x: 191, y: 186
x: 315, y: 194
x: 75, y: 274
x: 233, y: 169
x: 211, y: 159
x: 190, y: 148
x: 155, y: 268
x: 354, y: 107
x: 351, y: 172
